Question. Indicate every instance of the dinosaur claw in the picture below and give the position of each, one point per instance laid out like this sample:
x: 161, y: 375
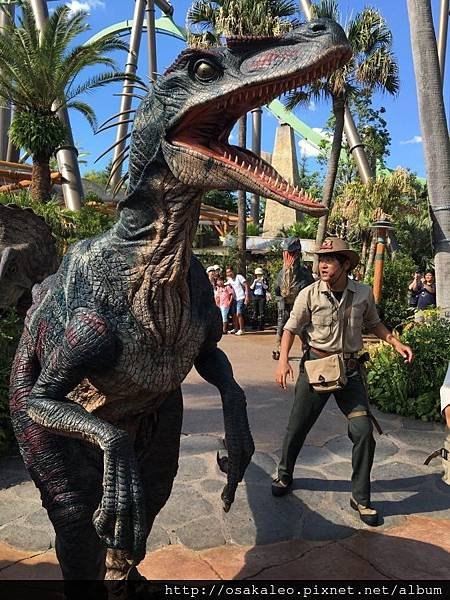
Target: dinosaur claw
x: 227, y: 498
x: 222, y: 462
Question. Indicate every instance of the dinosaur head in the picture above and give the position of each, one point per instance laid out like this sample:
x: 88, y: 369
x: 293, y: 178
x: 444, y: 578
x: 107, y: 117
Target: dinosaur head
x: 197, y: 102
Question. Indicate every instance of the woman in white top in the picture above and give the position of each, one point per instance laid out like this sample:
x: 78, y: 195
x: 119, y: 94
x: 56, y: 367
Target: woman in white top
x: 241, y: 298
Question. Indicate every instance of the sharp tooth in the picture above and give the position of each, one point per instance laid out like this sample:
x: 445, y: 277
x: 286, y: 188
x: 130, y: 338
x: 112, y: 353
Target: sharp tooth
x: 236, y: 160
x: 242, y: 164
x: 256, y: 170
x: 249, y: 168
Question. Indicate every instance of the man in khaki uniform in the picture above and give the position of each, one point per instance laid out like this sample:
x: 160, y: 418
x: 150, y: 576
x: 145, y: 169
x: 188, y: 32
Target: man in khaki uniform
x: 319, y: 310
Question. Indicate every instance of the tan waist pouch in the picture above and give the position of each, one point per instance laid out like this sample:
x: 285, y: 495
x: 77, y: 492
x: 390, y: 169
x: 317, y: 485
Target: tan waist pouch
x: 326, y: 374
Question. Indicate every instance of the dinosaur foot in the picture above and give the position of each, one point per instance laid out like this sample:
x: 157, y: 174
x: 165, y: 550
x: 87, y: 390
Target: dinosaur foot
x: 222, y: 462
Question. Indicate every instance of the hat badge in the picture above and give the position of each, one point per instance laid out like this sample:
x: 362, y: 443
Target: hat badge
x: 327, y: 245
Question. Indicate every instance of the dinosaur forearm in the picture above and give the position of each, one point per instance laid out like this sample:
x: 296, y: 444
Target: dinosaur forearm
x: 215, y: 368
x: 72, y: 420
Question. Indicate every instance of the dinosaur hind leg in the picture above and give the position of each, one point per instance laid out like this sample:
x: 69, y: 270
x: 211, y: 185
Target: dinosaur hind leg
x: 157, y: 444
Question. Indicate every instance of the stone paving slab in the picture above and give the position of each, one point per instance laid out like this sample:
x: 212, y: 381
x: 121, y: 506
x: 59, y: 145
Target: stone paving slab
x: 417, y: 550
x: 317, y: 511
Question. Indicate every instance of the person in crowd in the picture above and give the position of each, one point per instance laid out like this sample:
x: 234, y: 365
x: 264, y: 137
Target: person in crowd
x: 241, y: 298
x: 292, y: 278
x: 320, y: 310
x: 210, y: 271
x: 259, y: 288
x: 217, y: 271
x: 414, y: 288
x: 223, y: 295
x: 427, y: 292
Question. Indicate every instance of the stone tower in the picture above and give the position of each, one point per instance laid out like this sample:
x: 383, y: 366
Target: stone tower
x: 284, y: 160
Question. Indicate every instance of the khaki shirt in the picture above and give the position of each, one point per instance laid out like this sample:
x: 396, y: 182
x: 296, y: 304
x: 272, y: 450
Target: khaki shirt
x: 318, y: 312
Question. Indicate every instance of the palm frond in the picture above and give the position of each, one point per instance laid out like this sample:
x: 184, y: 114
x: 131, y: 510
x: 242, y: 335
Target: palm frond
x: 86, y: 110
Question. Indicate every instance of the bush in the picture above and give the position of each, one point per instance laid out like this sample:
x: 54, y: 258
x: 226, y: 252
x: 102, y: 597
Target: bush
x: 412, y: 390
x: 67, y: 226
x: 10, y: 331
x: 397, y: 274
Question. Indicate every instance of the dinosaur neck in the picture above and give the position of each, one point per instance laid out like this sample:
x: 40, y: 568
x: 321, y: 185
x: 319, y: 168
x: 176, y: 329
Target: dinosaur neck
x: 156, y: 229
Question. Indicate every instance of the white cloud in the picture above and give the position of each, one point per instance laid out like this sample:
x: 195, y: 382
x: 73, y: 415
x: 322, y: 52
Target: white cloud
x: 312, y: 106
x: 417, y: 139
x: 87, y: 6
x: 307, y: 149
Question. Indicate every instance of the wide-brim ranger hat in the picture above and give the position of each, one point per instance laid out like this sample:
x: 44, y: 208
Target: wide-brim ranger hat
x: 334, y: 245
x: 259, y: 271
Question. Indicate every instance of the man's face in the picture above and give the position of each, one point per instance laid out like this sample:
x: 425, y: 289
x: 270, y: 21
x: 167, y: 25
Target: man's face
x: 429, y: 278
x: 230, y: 273
x: 330, y: 269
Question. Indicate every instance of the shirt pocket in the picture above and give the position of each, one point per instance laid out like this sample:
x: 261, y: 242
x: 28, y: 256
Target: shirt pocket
x: 323, y: 324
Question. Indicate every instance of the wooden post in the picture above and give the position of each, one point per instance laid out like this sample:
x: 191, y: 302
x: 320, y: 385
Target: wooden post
x: 379, y: 264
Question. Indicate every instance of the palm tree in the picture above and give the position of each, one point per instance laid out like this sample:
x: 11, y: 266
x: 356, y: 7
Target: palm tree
x: 372, y: 67
x: 209, y: 21
x: 39, y: 76
x: 436, y: 144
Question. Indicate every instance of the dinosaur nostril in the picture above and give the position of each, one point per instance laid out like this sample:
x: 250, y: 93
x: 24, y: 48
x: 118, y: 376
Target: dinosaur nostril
x: 317, y: 27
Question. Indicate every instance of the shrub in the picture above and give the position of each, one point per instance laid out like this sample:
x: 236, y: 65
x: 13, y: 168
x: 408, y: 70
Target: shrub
x: 412, y: 390
x: 67, y: 226
x: 10, y: 331
x: 397, y: 274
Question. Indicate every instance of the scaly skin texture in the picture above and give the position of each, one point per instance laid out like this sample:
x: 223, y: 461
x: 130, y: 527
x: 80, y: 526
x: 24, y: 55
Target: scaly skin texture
x: 95, y: 395
x: 27, y: 254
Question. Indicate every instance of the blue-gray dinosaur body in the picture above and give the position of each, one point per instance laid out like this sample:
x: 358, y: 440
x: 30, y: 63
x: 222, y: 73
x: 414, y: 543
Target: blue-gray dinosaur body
x: 95, y: 394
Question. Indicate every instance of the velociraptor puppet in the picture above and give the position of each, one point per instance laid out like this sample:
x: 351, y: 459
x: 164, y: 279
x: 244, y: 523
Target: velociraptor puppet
x: 95, y: 395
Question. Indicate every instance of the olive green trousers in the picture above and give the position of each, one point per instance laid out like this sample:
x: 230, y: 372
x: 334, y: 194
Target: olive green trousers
x: 308, y: 404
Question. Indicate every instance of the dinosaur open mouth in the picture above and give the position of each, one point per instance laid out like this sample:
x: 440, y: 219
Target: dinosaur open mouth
x: 205, y: 129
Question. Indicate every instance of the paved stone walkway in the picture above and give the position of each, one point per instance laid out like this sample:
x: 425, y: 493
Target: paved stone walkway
x: 264, y: 537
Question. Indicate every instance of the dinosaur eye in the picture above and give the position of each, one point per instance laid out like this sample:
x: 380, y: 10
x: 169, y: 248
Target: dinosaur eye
x: 205, y: 71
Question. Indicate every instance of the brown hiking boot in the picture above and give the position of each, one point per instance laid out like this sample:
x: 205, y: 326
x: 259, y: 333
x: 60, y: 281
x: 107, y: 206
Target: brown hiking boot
x: 367, y: 514
x: 281, y: 485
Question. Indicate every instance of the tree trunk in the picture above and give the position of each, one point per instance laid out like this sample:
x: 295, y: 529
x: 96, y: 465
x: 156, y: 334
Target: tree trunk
x: 365, y: 238
x: 436, y: 145
x: 373, y: 247
x: 332, y: 169
x: 242, y: 206
x: 41, y: 186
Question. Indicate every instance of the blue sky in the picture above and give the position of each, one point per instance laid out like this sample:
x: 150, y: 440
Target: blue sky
x: 401, y: 111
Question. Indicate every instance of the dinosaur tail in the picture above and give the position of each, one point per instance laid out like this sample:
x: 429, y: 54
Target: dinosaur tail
x: 24, y: 373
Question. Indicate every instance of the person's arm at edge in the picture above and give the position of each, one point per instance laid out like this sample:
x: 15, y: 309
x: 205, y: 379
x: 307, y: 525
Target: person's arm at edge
x: 247, y: 291
x: 284, y: 368
x: 383, y: 333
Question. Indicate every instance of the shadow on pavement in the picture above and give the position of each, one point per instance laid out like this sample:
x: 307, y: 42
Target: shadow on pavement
x: 346, y: 553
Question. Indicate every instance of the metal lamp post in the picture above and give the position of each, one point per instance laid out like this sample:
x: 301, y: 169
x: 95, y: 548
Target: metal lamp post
x: 381, y: 229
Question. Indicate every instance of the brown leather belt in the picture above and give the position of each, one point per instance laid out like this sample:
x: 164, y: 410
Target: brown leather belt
x: 324, y: 353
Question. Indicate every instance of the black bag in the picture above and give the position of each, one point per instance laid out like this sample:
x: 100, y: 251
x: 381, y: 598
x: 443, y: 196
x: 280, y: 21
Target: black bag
x: 413, y: 299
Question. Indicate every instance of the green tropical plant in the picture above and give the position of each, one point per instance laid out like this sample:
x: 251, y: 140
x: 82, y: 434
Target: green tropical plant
x: 372, y: 67
x: 412, y: 390
x: 39, y: 75
x: 397, y: 195
x: 67, y: 226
